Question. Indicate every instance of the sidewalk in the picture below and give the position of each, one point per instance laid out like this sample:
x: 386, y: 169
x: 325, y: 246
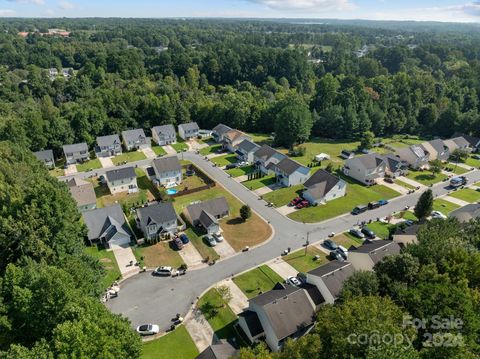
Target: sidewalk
x: 199, y: 329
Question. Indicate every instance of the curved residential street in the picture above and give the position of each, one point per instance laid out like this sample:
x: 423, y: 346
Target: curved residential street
x: 148, y: 299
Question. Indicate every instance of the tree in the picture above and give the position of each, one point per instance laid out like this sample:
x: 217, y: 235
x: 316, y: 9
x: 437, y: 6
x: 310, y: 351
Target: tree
x: 225, y: 293
x: 424, y: 205
x: 436, y: 167
x: 367, y: 140
x: 459, y: 155
x: 361, y: 283
x: 293, y: 123
x: 245, y: 212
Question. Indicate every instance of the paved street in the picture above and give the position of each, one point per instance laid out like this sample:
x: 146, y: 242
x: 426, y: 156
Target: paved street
x: 146, y: 299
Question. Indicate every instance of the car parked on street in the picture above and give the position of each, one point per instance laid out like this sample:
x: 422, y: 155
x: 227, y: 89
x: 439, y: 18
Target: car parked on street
x: 164, y: 271
x: 148, y: 329
x: 293, y: 281
x: 359, y: 209
x: 373, y: 205
x: 218, y: 237
x: 184, y: 238
x: 368, y: 232
x: 210, y: 240
x: 329, y: 244
x: 383, y: 202
x: 357, y: 233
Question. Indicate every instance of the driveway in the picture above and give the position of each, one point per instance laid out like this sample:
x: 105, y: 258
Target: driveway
x: 169, y: 150
x: 106, y: 162
x: 458, y: 201
x: 394, y: 186
x: 411, y: 182
x: 239, y: 300
x: 70, y: 170
x: 263, y: 190
x: 199, y: 329
x: 286, y: 210
x: 191, y: 256
x: 148, y: 152
x: 224, y: 249
x: 282, y: 268
x: 124, y: 256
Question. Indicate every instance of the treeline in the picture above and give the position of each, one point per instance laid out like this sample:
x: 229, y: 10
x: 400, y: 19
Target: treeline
x: 422, y: 303
x: 49, y: 288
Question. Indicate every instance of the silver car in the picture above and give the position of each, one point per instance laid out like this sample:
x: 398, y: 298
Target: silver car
x: 211, y: 241
x: 218, y: 237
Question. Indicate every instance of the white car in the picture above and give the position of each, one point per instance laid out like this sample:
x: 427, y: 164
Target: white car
x: 293, y: 281
x: 242, y: 164
x: 218, y: 237
x: 163, y: 270
x: 438, y: 215
x: 211, y: 241
x: 148, y: 329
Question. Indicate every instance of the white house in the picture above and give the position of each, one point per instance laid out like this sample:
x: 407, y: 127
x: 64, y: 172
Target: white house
x: 322, y: 187
x: 168, y: 171
x: 135, y: 139
x: 122, y: 180
x: 164, y: 135
x: 245, y: 150
x: 367, y: 255
x: 188, y: 130
x: 289, y: 172
x: 157, y: 220
x: 329, y: 278
x: 365, y: 169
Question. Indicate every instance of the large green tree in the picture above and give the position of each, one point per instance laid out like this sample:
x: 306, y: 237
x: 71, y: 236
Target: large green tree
x: 293, y: 123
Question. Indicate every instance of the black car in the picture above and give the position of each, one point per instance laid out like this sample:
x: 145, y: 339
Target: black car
x: 368, y: 232
x: 359, y: 209
x: 342, y: 253
x: 335, y: 255
x: 373, y: 205
x: 356, y: 233
x: 330, y: 244
x: 230, y: 166
x: 177, y: 242
x: 184, y: 238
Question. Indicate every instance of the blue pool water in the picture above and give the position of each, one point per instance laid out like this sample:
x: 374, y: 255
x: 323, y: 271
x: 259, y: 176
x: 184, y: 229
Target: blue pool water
x: 171, y: 191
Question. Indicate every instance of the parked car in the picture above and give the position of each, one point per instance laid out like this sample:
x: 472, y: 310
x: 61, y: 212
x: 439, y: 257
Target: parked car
x: 368, y: 232
x: 242, y: 164
x: 373, y: 205
x: 163, y: 271
x: 344, y: 254
x: 189, y: 172
x: 476, y: 157
x: 184, y: 238
x: 211, y: 241
x: 148, y: 329
x: 302, y: 277
x: 335, y: 255
x: 302, y: 204
x: 230, y: 166
x: 293, y: 281
x: 356, y: 233
x: 389, y: 180
x: 177, y: 243
x: 218, y: 237
x: 383, y: 202
x: 409, y: 222
x: 295, y: 201
x: 438, y: 215
x: 359, y: 209
x: 330, y: 244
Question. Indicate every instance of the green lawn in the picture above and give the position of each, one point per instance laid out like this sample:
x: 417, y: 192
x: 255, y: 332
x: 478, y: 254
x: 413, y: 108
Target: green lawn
x: 356, y: 194
x: 159, y: 254
x: 456, y: 169
x: 261, y: 138
x: 177, y: 344
x: 259, y: 182
x: 197, y: 239
x: 261, y: 279
x: 112, y: 272
x: 222, y: 161
x: 159, y: 151
x: 180, y: 146
x: 347, y: 240
x: 425, y: 177
x: 128, y: 157
x: 306, y: 262
x: 57, y: 172
x: 473, y: 162
x: 402, y: 141
x: 444, y: 206
x: 218, y: 314
x: 381, y: 229
x: 467, y: 195
x: 406, y: 215
x: 89, y: 165
x: 240, y: 171
x: 404, y: 184
x: 283, y: 196
x: 210, y: 149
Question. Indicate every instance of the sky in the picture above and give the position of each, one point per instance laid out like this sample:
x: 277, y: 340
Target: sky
x: 422, y: 10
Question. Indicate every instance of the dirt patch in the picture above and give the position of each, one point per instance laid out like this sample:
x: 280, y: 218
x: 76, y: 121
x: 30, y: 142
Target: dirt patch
x: 250, y: 233
x: 105, y: 260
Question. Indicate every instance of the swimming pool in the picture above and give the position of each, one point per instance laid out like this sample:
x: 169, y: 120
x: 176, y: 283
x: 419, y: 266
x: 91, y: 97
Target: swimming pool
x: 171, y: 191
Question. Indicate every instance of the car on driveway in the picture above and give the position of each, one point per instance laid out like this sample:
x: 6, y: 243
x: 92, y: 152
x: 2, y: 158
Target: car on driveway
x: 295, y: 201
x: 231, y: 166
x: 368, y: 232
x: 302, y: 204
x: 438, y: 215
x: 184, y: 238
x: 343, y: 251
x: 177, y: 243
x: 211, y: 241
x: 148, y: 329
x: 293, y: 281
x: 218, y: 237
x: 242, y: 164
x: 329, y: 244
x: 357, y: 233
x: 164, y: 271
x: 389, y: 180
x: 335, y: 255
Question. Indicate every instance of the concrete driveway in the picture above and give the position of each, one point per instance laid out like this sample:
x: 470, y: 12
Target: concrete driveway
x: 106, y: 162
x: 411, y: 182
x: 286, y: 210
x: 239, y: 300
x: 224, y: 249
x: 148, y: 152
x: 282, y: 268
x: 169, y: 150
x: 70, y: 170
x: 191, y: 256
x: 394, y: 186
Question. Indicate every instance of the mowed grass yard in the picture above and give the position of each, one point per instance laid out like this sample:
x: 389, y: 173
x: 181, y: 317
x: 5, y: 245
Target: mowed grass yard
x: 238, y: 233
x: 128, y: 157
x: 306, y: 262
x: 467, y: 195
x: 159, y: 254
x: 444, y: 206
x: 356, y: 194
x: 425, y: 177
x: 109, y: 263
x: 472, y: 162
x: 218, y: 314
x: 177, y: 344
x: 222, y: 161
x: 283, y: 196
x: 210, y: 149
x: 382, y: 230
x: 240, y: 171
x: 159, y: 151
x: 92, y: 164
x: 180, y: 146
x: 259, y: 182
x: 258, y: 280
x: 346, y: 241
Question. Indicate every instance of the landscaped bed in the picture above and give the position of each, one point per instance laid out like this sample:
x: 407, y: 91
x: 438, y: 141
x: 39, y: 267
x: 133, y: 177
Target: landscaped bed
x: 444, y: 206
x: 218, y: 314
x: 426, y: 178
x: 109, y: 263
x: 258, y: 280
x: 306, y: 262
x: 128, y: 157
x: 467, y: 195
x: 159, y: 254
x: 283, y: 196
x: 177, y: 344
x: 259, y: 182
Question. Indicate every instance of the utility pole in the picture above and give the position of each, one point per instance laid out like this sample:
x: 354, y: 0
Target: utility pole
x: 307, y: 243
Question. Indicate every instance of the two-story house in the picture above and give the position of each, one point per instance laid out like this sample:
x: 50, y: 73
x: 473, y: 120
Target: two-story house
x: 46, y: 157
x: 245, y: 150
x: 232, y: 139
x: 365, y: 169
x: 322, y: 187
x: 329, y: 278
x: 158, y: 220
x: 395, y: 167
x: 289, y: 172
x: 76, y: 153
x: 415, y: 156
x: 188, y: 130
x: 266, y: 155
x: 168, y: 171
x: 135, y: 139
x: 122, y: 180
x: 164, y: 135
x: 206, y: 214
x: 219, y: 131
x: 108, y: 146
x: 457, y: 143
x: 83, y: 194
x: 367, y: 255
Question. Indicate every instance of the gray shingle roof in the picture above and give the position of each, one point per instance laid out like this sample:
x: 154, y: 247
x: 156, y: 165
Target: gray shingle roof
x: 289, y: 166
x: 461, y: 142
x: 221, y: 350
x: 106, y: 141
x: 467, y: 213
x: 76, y: 147
x: 206, y: 219
x: 134, y: 135
x: 191, y: 126
x: 437, y: 145
x: 220, y: 129
x: 377, y: 250
x: 370, y: 161
x: 121, y: 173
x: 215, y: 207
x: 472, y: 140
x: 265, y: 152
x: 164, y: 130
x: 83, y: 194
x: 253, y: 323
x: 321, y: 182
x: 46, y: 155
x: 248, y: 146
x: 105, y: 222
x: 393, y: 162
x: 167, y: 164
x: 157, y: 213
x: 334, y: 274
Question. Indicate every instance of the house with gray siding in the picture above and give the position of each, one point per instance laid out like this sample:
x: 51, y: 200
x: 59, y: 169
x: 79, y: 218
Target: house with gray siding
x: 76, y: 153
x: 46, y: 157
x: 168, y: 171
x: 245, y: 150
x: 122, y: 180
x: 219, y: 131
x: 365, y: 169
x: 265, y: 156
x: 158, y: 220
x: 206, y: 214
x: 289, y: 172
x: 135, y: 139
x: 108, y: 146
x: 188, y: 130
x: 164, y: 135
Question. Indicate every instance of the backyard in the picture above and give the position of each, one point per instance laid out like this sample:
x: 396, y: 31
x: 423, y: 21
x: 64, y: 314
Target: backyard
x: 261, y: 138
x: 128, y: 157
x: 109, y: 263
x: 177, y: 344
x: 467, y: 195
x: 259, y: 182
x: 258, y: 280
x: 210, y: 149
x: 425, y: 177
x: 306, y: 262
x: 189, y: 182
x: 283, y: 196
x: 218, y: 314
x: 159, y: 254
x: 356, y: 194
x: 444, y: 206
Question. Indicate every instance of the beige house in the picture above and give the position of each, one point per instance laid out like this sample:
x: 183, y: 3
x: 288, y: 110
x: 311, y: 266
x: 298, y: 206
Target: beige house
x: 365, y: 169
x: 367, y: 255
x: 122, y: 180
x: 232, y: 138
x: 83, y: 193
x: 415, y: 156
x: 329, y: 278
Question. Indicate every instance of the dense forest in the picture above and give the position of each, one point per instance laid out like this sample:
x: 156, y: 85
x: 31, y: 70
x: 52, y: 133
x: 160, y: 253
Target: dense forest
x: 345, y: 77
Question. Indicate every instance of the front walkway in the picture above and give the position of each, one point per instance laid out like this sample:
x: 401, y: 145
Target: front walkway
x: 224, y: 249
x: 149, y: 153
x: 124, y: 257
x: 282, y: 268
x: 239, y: 300
x: 106, y: 162
x: 241, y: 179
x: 411, y: 182
x: 191, y: 257
x: 454, y: 200
x: 71, y: 170
x: 169, y: 150
x: 199, y: 329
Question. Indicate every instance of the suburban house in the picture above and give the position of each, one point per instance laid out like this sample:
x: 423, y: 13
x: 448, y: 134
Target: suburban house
x: 277, y: 315
x: 46, y: 157
x: 168, y: 171
x: 207, y: 213
x: 329, y: 278
x: 365, y: 169
x: 219, y: 130
x: 83, y: 193
x: 232, y: 139
x: 157, y: 220
x: 108, y: 146
x: 266, y: 155
x: 122, y: 180
x: 415, y: 156
x: 467, y: 213
x: 245, y: 150
x: 322, y: 187
x: 289, y: 172
x: 107, y: 226
x: 436, y: 150
x: 164, y: 135
x: 367, y: 255
x: 395, y: 167
x: 473, y: 141
x: 220, y: 350
x: 407, y: 235
x: 76, y: 153
x: 135, y: 139
x: 188, y: 130
x: 457, y: 143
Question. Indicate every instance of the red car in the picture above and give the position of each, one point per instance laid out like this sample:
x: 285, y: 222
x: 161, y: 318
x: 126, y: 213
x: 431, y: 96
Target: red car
x: 295, y: 201
x: 302, y: 204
